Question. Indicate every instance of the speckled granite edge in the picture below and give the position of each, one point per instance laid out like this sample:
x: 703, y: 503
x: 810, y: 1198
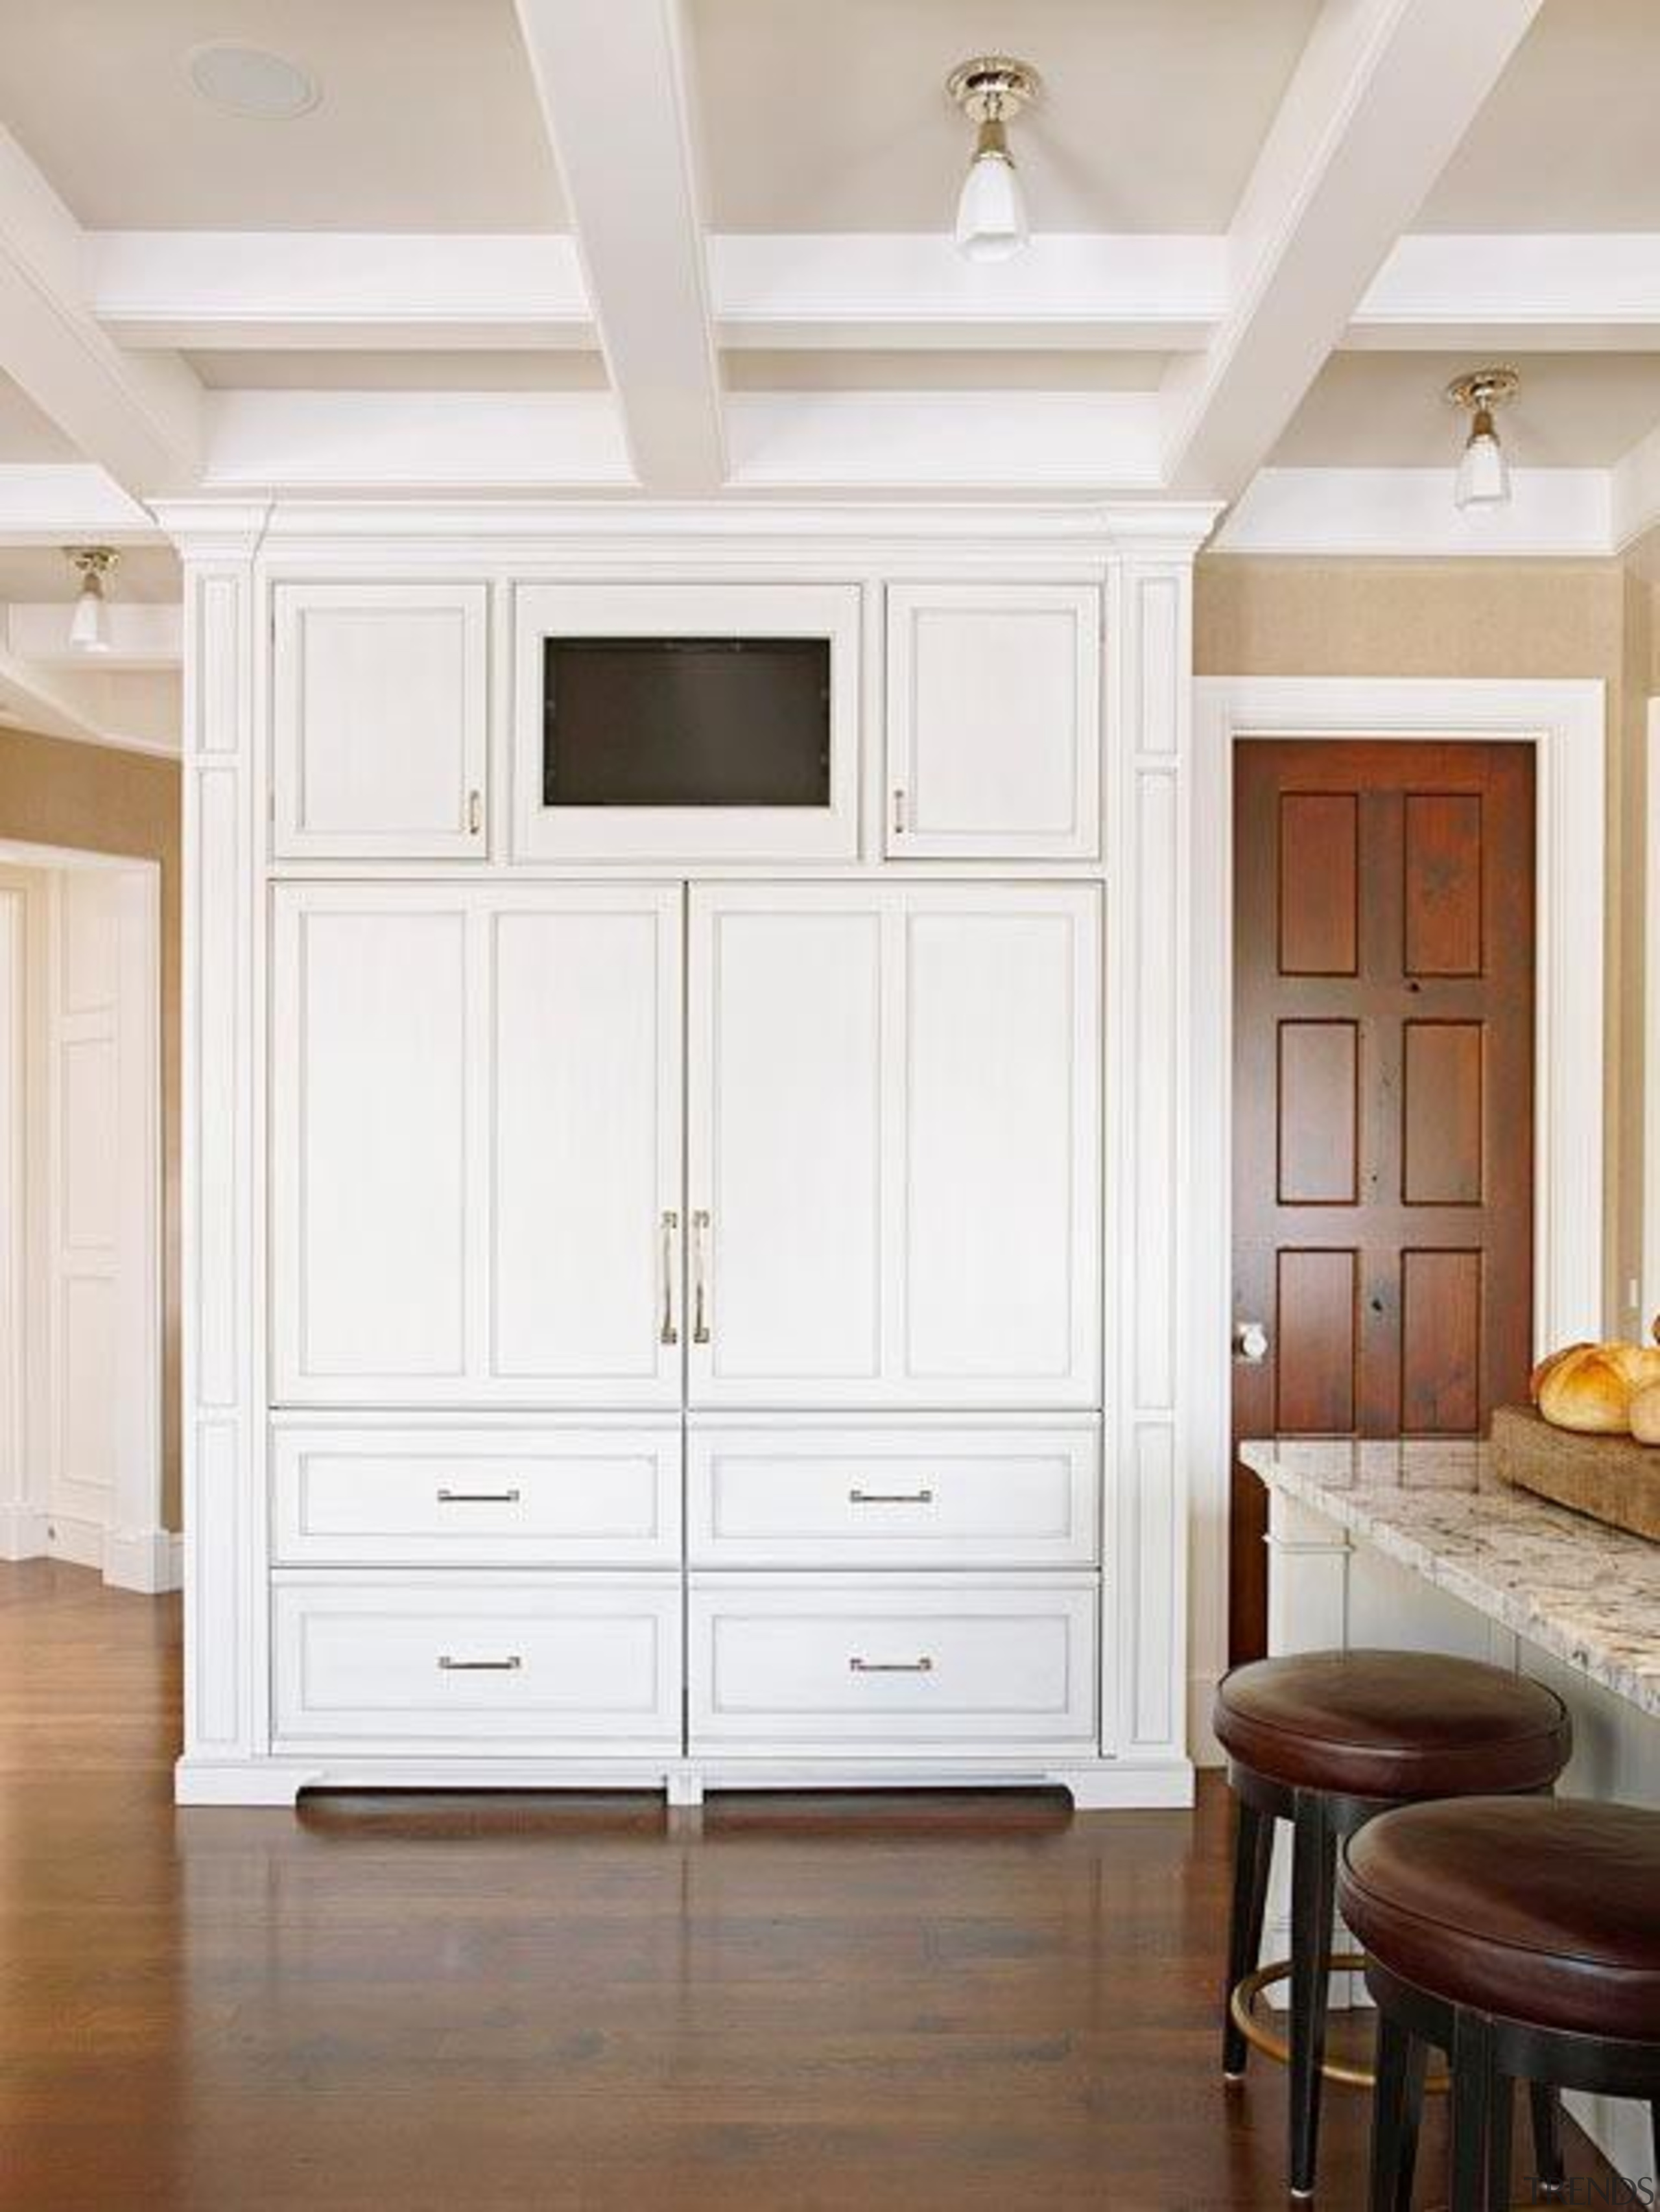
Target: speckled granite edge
x: 1587, y: 1594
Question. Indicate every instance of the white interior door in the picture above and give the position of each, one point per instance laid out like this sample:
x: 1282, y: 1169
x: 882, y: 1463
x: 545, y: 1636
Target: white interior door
x: 585, y: 1130
x: 894, y: 1145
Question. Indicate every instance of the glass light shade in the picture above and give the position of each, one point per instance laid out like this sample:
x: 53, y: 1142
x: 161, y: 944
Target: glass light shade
x: 1483, y: 472
x: 991, y: 215
x: 89, y: 630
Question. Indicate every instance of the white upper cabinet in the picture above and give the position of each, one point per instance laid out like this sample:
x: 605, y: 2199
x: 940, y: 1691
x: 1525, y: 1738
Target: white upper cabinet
x: 379, y: 719
x: 894, y: 1145
x: 994, y: 721
x: 476, y: 1145
x: 683, y: 723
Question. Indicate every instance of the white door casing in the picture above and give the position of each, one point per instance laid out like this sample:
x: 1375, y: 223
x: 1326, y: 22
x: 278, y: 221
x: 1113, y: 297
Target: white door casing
x: 1565, y: 722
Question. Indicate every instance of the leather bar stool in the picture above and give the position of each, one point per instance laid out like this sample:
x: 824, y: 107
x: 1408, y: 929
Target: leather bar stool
x: 1328, y: 1740
x: 1522, y: 1936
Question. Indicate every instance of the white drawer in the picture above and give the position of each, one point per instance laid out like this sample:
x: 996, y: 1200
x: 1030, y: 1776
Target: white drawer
x: 553, y: 1661
x: 844, y: 1495
x: 869, y: 1665
x: 428, y: 1495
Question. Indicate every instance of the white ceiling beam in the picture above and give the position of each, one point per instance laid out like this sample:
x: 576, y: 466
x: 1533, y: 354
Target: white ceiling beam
x: 137, y: 416
x: 69, y: 502
x: 142, y: 635
x: 1634, y: 491
x: 913, y: 290
x: 1387, y: 514
x: 1382, y: 94
x: 322, y: 290
x: 1558, y: 291
x: 614, y: 79
x: 524, y: 443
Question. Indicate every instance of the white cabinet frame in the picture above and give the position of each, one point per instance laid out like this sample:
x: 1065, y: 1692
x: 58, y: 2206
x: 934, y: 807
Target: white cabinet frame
x: 972, y: 733
x: 679, y: 837
x: 464, y: 742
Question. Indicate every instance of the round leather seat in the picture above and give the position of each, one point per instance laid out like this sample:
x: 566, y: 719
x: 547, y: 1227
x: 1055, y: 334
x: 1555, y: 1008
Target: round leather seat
x: 1537, y: 1910
x: 1392, y: 1724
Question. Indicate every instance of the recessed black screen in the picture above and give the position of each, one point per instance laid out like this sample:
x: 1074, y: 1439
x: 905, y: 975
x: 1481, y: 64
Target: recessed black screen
x: 686, y: 721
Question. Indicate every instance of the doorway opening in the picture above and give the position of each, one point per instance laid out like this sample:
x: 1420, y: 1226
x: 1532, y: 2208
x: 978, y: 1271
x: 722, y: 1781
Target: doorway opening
x: 81, y: 1215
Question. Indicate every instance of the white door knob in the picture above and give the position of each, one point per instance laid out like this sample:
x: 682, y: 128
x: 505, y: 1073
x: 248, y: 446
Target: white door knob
x: 1250, y: 1342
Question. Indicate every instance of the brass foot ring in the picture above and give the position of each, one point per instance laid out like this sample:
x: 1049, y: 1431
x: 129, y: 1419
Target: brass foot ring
x: 1242, y: 2005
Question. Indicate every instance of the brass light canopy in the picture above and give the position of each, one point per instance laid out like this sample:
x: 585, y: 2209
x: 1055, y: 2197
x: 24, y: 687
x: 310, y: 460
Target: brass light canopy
x: 1483, y: 477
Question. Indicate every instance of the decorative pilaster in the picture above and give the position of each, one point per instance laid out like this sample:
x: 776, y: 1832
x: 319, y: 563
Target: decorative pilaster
x: 1148, y: 797
x: 226, y: 1703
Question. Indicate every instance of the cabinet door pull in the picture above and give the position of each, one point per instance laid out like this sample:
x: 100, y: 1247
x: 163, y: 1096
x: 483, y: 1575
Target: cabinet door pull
x: 857, y: 1497
x: 922, y: 1666
x: 700, y: 1303
x: 668, y: 1333
x: 898, y: 809
x: 475, y: 812
x: 479, y: 1498
x: 508, y: 1666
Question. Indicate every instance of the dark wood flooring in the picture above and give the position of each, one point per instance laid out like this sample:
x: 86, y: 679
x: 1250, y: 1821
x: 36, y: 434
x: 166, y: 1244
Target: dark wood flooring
x: 419, y: 2004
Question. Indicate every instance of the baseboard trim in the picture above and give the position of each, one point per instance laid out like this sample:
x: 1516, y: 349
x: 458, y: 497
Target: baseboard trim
x: 22, y: 1533
x: 1099, y: 1785
x: 147, y: 1561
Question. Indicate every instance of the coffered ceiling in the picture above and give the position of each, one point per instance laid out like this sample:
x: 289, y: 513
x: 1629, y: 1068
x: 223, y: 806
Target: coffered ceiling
x: 699, y: 249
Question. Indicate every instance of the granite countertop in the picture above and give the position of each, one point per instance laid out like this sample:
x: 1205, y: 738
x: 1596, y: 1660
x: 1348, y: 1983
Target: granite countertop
x: 1588, y: 1595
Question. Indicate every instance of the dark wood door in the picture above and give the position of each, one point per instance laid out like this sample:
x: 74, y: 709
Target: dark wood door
x: 1382, y: 1105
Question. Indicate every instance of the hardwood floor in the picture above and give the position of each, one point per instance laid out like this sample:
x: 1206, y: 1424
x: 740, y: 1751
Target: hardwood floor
x: 414, y: 2005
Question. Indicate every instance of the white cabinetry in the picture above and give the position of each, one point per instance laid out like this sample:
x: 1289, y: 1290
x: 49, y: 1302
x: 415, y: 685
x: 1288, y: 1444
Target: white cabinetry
x: 994, y: 696
x: 475, y: 1144
x: 379, y: 720
x: 677, y: 834
x: 894, y: 1145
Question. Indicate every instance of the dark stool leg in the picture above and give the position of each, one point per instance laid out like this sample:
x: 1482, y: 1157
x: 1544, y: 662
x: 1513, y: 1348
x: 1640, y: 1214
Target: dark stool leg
x: 1547, y: 2109
x: 1501, y: 2129
x: 1388, y: 2107
x: 1313, y: 1882
x: 1253, y: 1850
x: 1472, y: 2109
x: 1412, y: 2114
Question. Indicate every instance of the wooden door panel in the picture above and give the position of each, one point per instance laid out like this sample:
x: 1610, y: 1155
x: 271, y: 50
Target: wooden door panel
x: 1319, y: 879
x: 1440, y: 1342
x: 1442, y: 836
x: 1315, y: 1328
x: 1319, y: 1113
x: 1441, y: 1113
x: 1383, y: 1097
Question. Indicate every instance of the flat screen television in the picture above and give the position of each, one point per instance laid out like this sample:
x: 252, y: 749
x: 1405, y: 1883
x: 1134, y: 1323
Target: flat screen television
x: 686, y: 721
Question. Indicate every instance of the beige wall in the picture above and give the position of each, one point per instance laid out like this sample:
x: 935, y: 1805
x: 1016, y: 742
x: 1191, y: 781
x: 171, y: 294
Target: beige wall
x: 1495, y: 618
x: 56, y: 793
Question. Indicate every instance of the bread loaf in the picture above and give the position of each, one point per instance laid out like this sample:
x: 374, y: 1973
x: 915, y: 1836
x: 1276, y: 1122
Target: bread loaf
x: 1646, y: 1415
x: 1588, y: 1389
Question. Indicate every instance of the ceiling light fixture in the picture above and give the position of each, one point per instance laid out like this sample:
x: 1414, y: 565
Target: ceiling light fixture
x: 247, y: 81
x: 991, y: 213
x: 1483, y: 478
x: 89, y: 625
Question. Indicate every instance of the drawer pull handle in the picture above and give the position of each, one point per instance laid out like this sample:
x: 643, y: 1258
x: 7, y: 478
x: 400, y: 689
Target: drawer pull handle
x: 509, y: 1666
x: 923, y: 1666
x: 856, y: 1497
x: 475, y: 812
x: 479, y: 1498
